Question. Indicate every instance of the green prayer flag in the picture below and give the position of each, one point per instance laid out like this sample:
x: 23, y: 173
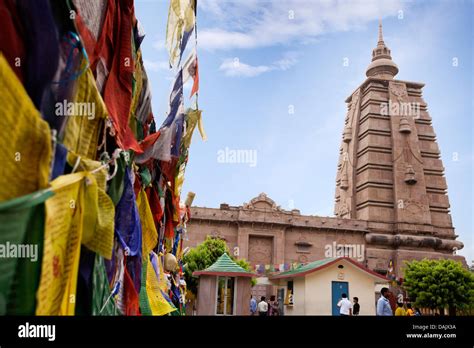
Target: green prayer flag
x: 116, y: 184
x: 102, y: 301
x: 21, y: 250
x: 145, y: 176
x: 144, y: 303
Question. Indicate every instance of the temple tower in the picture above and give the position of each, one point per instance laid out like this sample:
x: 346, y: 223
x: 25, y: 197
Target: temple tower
x: 390, y: 171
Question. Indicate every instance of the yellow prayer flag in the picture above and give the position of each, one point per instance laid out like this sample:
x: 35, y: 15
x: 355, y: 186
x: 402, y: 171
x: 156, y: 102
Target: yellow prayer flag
x: 100, y: 213
x: 56, y: 294
x: 162, y: 277
x: 25, y: 153
x: 179, y: 180
x: 158, y: 304
x: 149, y: 233
x: 138, y: 77
x: 193, y: 118
x: 84, y: 113
x: 72, y: 217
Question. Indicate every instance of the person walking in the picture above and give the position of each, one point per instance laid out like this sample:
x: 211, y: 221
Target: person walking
x: 262, y: 307
x: 345, y: 306
x: 383, y: 305
x: 356, y: 306
x: 400, y: 311
x: 253, y: 306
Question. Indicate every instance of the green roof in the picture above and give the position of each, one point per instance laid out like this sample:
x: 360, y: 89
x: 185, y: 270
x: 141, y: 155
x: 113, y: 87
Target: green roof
x: 304, y: 268
x: 225, y: 266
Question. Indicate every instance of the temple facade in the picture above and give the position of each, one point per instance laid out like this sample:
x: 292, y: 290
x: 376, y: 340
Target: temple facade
x: 391, y: 201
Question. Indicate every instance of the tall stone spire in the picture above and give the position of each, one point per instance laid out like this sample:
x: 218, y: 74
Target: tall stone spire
x: 390, y: 171
x: 381, y: 43
x: 382, y: 65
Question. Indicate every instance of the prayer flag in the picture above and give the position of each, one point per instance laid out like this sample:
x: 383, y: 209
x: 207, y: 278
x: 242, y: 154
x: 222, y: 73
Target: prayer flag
x: 149, y: 233
x: 21, y: 225
x: 62, y: 242
x: 103, y: 302
x: 26, y: 151
x: 181, y: 19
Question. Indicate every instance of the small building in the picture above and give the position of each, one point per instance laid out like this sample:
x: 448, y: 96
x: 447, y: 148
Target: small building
x: 224, y: 288
x: 316, y: 288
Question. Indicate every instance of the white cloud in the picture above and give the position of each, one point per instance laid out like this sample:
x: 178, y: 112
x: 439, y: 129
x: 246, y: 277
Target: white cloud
x: 233, y: 67
x: 155, y: 65
x: 246, y: 24
x: 288, y: 60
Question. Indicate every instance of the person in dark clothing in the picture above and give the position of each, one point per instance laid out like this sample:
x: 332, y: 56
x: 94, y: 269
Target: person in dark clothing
x: 356, y: 306
x: 273, y: 308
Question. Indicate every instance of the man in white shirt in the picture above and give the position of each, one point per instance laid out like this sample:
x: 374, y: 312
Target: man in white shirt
x: 345, y: 306
x: 262, y: 307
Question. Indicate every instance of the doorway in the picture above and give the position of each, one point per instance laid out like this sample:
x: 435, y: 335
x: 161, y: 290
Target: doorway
x: 338, y: 288
x: 225, y: 296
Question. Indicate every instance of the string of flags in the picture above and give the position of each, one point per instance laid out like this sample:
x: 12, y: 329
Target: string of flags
x: 91, y: 186
x: 270, y: 268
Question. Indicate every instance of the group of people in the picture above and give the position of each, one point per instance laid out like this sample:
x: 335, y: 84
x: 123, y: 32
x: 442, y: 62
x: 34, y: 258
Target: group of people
x: 384, y: 308
x: 264, y: 307
x: 346, y: 307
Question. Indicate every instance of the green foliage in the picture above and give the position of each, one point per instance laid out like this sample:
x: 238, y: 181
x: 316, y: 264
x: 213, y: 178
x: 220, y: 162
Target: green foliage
x: 439, y: 284
x: 203, y: 256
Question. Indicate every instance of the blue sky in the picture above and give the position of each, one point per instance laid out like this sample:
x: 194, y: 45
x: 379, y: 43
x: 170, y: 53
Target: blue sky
x: 259, y: 60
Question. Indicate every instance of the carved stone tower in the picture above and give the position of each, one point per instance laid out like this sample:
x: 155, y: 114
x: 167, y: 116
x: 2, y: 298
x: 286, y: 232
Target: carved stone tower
x: 390, y: 171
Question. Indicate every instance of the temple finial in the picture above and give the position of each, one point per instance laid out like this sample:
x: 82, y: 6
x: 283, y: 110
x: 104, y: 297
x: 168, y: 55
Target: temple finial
x: 380, y: 32
x: 382, y: 64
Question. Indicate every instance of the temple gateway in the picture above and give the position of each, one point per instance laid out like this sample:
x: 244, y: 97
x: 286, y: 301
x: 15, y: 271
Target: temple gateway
x: 391, y: 197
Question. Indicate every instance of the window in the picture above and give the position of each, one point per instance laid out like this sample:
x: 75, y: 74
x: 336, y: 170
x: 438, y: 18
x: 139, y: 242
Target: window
x: 289, y: 293
x: 225, y: 295
x: 303, y: 247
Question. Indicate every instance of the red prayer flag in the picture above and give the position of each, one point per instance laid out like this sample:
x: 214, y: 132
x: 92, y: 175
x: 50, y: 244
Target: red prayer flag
x: 149, y: 140
x: 196, y: 80
x: 132, y: 306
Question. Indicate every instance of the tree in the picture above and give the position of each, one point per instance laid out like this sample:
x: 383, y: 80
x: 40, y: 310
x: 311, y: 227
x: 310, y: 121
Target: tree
x: 203, y: 256
x: 438, y: 284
